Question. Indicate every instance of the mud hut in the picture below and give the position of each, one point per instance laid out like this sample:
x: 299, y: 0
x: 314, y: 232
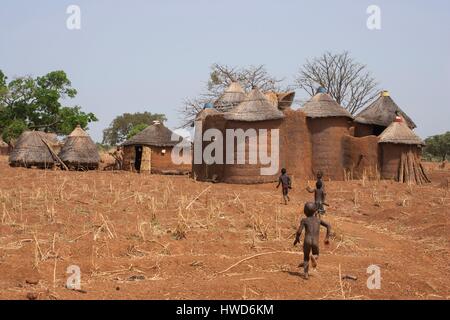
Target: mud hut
x: 151, y: 151
x: 378, y: 116
x: 79, y: 152
x: 34, y: 149
x: 4, y: 147
x: 230, y: 98
x: 328, y: 123
x: 400, y: 154
x: 254, y: 114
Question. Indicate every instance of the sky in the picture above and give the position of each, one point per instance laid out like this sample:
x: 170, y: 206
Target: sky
x: 142, y: 55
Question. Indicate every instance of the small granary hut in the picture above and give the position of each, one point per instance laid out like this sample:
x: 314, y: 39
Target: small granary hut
x: 230, y: 98
x: 378, y: 116
x: 151, y: 151
x: 255, y: 113
x: 401, y: 151
x: 34, y: 149
x: 328, y: 123
x: 79, y: 152
x: 4, y: 147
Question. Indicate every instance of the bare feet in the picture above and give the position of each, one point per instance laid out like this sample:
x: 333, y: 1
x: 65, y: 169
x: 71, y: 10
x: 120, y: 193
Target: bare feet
x: 301, y: 265
x: 313, y: 261
x: 306, y: 276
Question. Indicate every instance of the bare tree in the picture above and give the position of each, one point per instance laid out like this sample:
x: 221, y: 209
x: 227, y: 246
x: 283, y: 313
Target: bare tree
x: 347, y: 81
x: 220, y: 78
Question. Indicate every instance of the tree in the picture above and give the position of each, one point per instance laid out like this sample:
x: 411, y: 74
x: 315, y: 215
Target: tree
x: 120, y: 127
x: 220, y: 78
x: 347, y: 81
x: 136, y: 129
x: 28, y: 103
x: 438, y: 145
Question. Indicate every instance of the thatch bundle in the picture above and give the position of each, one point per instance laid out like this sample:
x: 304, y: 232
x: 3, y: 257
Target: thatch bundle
x: 328, y: 123
x: 79, y: 152
x: 4, y: 147
x: 33, y: 149
x: 280, y: 100
x: 401, y: 151
x: 379, y: 115
x: 231, y: 97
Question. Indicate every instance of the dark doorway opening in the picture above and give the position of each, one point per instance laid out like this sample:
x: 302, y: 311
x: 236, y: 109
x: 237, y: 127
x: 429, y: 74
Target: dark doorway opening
x: 377, y: 130
x: 138, y: 159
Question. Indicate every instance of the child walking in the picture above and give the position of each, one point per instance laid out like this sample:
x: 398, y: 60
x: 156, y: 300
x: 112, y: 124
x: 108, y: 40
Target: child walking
x: 285, y: 181
x: 311, y: 224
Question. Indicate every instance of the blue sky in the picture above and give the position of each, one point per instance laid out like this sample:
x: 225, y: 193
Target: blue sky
x: 149, y: 55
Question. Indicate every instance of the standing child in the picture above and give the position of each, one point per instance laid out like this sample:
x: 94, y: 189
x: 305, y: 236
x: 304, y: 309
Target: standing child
x: 285, y: 181
x: 311, y: 224
x: 319, y: 196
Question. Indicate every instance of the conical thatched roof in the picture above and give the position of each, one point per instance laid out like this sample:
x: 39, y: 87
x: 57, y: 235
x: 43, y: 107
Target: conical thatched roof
x: 398, y: 132
x: 79, y: 149
x: 231, y: 97
x: 156, y: 135
x: 322, y: 105
x: 255, y: 107
x: 382, y: 112
x: 30, y: 149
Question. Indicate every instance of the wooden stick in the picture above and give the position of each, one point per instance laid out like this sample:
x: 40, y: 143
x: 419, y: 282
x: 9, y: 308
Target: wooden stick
x: 198, y: 196
x: 54, y: 154
x: 340, y: 282
x: 254, y: 256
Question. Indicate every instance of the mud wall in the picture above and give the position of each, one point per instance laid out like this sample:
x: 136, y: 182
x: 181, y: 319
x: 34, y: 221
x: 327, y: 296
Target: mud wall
x: 363, y: 130
x: 251, y: 173
x: 326, y: 139
x: 296, y: 149
x: 390, y: 155
x: 360, y: 156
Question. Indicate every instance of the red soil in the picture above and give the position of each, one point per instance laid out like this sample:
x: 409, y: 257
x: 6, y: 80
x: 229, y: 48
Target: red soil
x: 122, y: 228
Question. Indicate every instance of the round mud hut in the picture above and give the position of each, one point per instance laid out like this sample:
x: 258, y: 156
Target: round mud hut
x: 400, y: 154
x: 328, y: 123
x: 79, y: 152
x: 230, y: 98
x: 34, y: 149
x: 378, y: 116
x: 255, y: 116
x: 150, y: 151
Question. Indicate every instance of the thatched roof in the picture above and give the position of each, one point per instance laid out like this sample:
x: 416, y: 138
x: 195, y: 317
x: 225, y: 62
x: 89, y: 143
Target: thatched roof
x: 204, y: 113
x: 231, y: 97
x: 255, y: 107
x: 79, y: 149
x: 30, y: 149
x: 382, y: 112
x: 322, y: 105
x: 398, y: 132
x: 156, y: 135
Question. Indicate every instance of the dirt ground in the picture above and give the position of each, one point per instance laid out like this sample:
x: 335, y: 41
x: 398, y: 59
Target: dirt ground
x: 148, y: 237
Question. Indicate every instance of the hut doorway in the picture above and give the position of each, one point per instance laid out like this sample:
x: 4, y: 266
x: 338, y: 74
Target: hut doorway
x: 138, y: 158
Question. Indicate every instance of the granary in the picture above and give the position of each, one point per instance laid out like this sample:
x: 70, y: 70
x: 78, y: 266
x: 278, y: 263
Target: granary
x: 271, y: 125
x: 378, y: 116
x: 400, y: 153
x: 34, y: 149
x: 151, y: 151
x: 230, y: 98
x: 4, y: 147
x: 79, y: 152
x: 328, y: 123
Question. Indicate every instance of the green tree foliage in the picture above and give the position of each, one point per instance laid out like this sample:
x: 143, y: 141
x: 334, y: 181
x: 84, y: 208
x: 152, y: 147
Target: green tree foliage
x: 120, y: 128
x: 438, y: 145
x: 35, y: 104
x: 136, y: 129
